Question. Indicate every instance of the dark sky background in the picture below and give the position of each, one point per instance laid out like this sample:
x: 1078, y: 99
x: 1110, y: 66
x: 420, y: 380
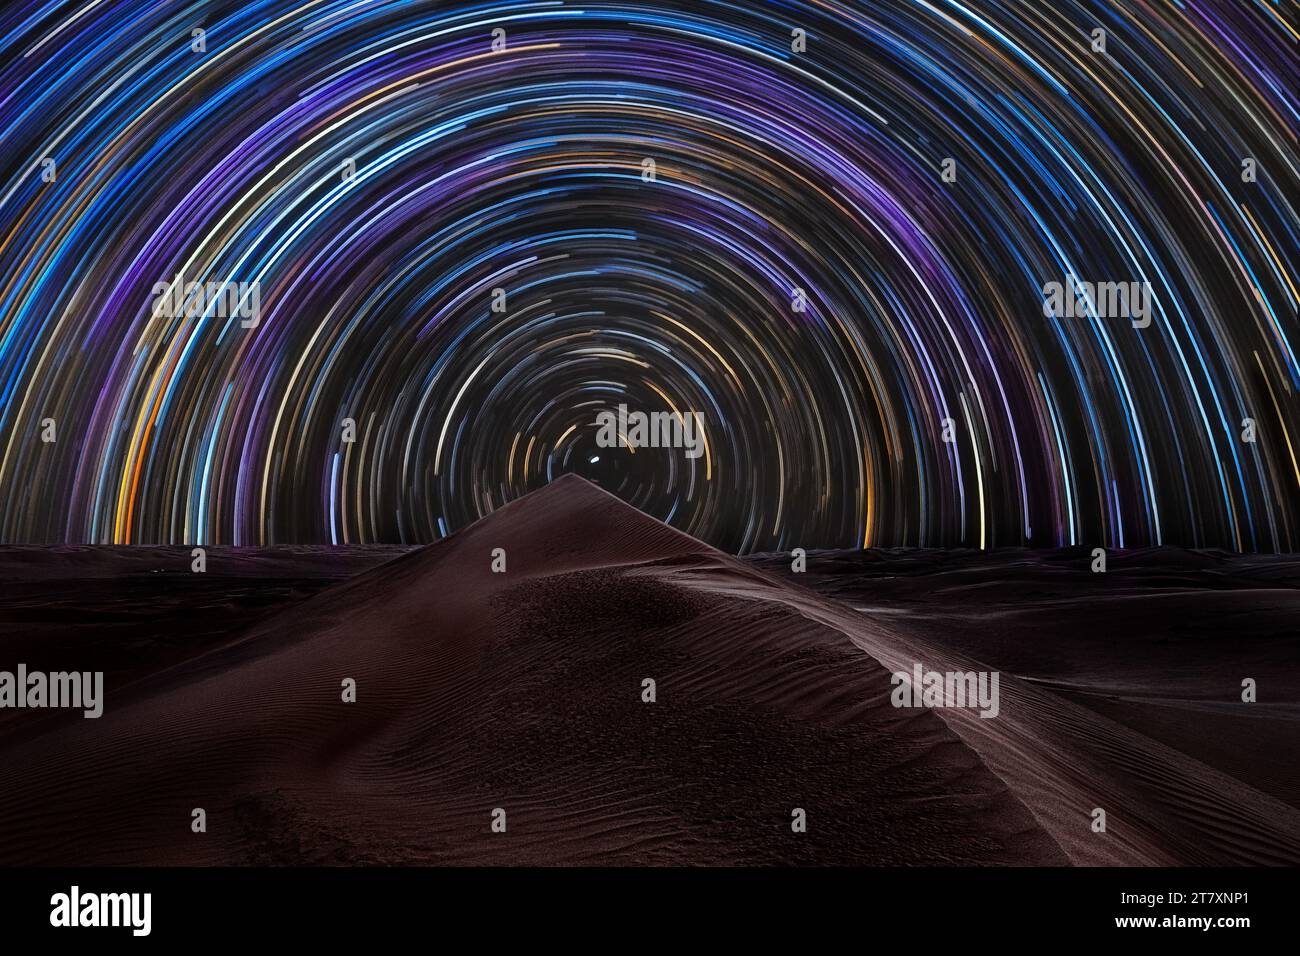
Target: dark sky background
x: 826, y: 228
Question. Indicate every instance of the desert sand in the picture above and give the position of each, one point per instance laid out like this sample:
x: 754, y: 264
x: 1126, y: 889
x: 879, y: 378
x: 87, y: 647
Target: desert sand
x: 524, y: 691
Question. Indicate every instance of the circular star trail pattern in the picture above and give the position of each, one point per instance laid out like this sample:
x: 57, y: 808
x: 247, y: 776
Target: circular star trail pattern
x: 475, y: 226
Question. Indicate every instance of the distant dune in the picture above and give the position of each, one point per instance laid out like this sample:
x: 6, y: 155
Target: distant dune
x: 523, y: 691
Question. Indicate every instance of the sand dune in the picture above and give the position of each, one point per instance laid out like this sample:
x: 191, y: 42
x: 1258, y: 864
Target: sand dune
x: 523, y: 691
x: 1120, y: 692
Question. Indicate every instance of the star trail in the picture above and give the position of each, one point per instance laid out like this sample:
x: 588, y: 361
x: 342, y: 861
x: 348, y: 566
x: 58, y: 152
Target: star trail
x: 824, y: 228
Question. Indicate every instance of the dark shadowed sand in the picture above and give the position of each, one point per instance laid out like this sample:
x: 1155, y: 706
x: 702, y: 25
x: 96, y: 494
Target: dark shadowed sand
x: 523, y: 691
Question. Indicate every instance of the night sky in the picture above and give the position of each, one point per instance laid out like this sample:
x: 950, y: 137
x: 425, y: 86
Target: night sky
x: 740, y: 210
